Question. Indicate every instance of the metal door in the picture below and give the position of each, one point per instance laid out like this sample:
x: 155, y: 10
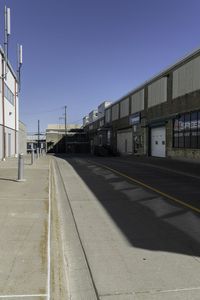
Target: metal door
x: 125, y: 142
x: 158, y: 141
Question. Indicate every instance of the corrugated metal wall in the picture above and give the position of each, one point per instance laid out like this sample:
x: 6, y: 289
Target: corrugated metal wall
x: 124, y: 108
x: 125, y: 141
x: 115, y: 112
x: 157, y: 92
x: 186, y: 79
x: 137, y: 101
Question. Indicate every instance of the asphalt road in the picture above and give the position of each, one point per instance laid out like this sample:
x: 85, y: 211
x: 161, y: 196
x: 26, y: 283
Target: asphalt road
x: 138, y: 241
x: 176, y: 179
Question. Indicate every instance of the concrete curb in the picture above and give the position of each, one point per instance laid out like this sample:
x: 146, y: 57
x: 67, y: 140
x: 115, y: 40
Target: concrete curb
x: 79, y: 280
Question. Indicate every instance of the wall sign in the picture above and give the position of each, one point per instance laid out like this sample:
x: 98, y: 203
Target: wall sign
x: 134, y: 119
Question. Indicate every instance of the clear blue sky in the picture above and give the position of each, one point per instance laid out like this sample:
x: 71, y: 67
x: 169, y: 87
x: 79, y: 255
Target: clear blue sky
x: 81, y: 52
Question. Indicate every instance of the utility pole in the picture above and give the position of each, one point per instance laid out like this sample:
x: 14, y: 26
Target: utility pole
x: 38, y: 133
x: 65, y: 120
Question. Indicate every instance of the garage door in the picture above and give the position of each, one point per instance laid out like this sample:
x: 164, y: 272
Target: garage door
x: 125, y: 142
x: 158, y: 141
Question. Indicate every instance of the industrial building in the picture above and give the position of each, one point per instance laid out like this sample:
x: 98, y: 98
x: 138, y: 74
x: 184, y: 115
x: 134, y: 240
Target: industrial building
x: 66, y: 139
x: 9, y: 112
x: 159, y: 118
x: 36, y: 140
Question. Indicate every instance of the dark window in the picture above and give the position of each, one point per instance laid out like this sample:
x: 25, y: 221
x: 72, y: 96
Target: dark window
x: 194, y: 127
x: 198, y: 131
x: 187, y: 131
x: 176, y: 123
x: 181, y: 127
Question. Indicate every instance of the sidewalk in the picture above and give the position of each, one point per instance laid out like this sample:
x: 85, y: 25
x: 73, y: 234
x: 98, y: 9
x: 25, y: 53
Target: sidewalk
x: 24, y: 210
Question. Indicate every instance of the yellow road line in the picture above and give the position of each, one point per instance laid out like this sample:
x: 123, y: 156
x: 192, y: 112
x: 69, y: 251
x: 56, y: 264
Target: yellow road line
x: 149, y: 187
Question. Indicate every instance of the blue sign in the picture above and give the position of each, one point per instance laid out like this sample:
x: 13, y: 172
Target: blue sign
x: 134, y: 119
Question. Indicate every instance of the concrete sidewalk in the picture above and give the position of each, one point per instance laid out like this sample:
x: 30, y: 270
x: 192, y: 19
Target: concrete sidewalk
x: 24, y: 210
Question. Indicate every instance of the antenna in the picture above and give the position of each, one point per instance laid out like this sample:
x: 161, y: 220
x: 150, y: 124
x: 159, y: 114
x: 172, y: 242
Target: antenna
x: 8, y: 21
x: 7, y: 32
x: 20, y: 55
x: 19, y: 64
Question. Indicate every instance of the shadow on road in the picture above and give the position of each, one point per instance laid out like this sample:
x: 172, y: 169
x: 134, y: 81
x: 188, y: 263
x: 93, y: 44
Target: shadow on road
x: 145, y: 218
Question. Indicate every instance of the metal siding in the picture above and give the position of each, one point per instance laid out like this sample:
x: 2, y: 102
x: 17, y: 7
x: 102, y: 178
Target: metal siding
x: 186, y: 79
x: 137, y: 101
x: 93, y: 115
x: 102, y: 107
x: 157, y: 92
x: 107, y: 115
x: 124, y: 108
x: 115, y: 112
x: 121, y: 138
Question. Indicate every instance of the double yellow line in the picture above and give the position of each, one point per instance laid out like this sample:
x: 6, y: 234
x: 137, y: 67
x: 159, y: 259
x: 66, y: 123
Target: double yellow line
x: 148, y: 187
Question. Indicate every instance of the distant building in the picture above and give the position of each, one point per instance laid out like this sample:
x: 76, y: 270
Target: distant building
x: 85, y: 120
x: 73, y: 139
x: 35, y: 141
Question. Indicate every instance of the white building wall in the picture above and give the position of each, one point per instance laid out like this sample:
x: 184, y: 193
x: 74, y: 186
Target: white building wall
x: 10, y: 107
x: 1, y: 108
x: 17, y: 113
x: 115, y: 112
x: 11, y: 114
x: 1, y: 115
x: 10, y: 142
x: 157, y: 92
x: 186, y: 79
x: 1, y: 142
x: 137, y: 102
x: 124, y: 108
x: 10, y: 80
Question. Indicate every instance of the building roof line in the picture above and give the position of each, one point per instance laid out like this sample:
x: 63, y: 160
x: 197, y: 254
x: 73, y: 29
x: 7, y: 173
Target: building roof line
x: 156, y: 76
x: 9, y: 64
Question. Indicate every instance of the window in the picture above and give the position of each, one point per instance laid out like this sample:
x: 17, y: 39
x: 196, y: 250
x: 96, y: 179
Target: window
x: 8, y: 94
x: 186, y: 131
x: 194, y: 130
x: 181, y: 132
x: 198, y: 131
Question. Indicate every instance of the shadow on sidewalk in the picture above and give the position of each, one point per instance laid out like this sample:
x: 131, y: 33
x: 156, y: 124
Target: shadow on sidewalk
x: 146, y: 219
x: 8, y: 179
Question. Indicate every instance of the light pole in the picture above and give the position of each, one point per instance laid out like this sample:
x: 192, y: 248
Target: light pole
x: 65, y: 120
